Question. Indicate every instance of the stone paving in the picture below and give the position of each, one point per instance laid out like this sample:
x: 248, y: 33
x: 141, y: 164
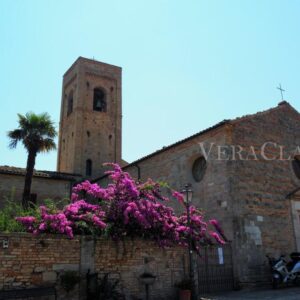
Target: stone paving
x: 289, y: 293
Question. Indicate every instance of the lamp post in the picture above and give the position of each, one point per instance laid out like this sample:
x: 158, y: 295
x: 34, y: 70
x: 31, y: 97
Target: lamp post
x: 187, y: 198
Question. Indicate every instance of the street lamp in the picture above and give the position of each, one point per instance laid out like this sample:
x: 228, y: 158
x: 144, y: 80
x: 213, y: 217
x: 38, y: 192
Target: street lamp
x: 187, y: 198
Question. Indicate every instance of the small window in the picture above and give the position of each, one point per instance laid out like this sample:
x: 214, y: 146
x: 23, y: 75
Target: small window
x: 70, y: 104
x: 99, y: 103
x: 88, y: 170
x: 199, y: 168
x: 296, y: 166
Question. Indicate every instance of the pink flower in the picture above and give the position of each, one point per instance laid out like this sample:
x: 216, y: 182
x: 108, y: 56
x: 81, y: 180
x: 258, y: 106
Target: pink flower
x: 129, y: 208
x: 217, y: 238
x: 178, y: 196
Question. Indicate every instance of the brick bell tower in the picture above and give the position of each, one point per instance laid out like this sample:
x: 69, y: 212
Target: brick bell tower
x: 91, y: 118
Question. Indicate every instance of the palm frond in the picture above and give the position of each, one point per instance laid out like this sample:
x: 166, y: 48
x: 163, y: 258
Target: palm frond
x: 13, y: 144
x: 15, y: 136
x: 35, y: 131
x: 23, y: 121
x: 47, y: 145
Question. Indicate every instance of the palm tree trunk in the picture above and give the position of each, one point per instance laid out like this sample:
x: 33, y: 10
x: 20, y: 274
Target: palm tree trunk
x: 28, y: 177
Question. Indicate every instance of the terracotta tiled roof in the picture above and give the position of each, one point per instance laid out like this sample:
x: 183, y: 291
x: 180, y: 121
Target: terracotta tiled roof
x: 264, y: 112
x: 45, y: 174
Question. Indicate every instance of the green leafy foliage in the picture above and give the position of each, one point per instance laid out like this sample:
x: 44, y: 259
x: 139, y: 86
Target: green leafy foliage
x: 13, y: 209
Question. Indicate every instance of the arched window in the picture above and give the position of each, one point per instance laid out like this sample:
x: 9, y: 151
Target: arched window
x: 198, y: 169
x: 70, y: 103
x: 88, y: 167
x: 99, y: 103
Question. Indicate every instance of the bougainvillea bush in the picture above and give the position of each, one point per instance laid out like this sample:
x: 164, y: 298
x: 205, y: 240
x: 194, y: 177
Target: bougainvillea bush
x: 125, y: 208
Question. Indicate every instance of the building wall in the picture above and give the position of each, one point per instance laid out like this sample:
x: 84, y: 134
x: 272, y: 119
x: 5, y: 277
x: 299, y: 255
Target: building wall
x: 248, y: 197
x: 11, y: 187
x: 174, y: 166
x: 85, y: 133
x: 31, y: 261
x: 262, y: 214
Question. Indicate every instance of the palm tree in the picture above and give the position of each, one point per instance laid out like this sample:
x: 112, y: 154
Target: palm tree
x: 37, y: 133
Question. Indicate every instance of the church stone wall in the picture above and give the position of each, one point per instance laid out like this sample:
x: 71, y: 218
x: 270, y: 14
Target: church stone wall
x: 11, y: 187
x: 262, y: 214
x: 248, y: 197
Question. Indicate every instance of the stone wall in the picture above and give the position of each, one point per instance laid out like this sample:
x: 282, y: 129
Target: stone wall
x: 31, y: 261
x: 262, y: 213
x: 11, y: 187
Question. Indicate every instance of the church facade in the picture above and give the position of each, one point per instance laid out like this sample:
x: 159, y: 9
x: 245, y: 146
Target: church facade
x: 244, y: 172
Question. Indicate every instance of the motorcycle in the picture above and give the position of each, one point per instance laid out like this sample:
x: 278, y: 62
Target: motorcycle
x: 283, y: 271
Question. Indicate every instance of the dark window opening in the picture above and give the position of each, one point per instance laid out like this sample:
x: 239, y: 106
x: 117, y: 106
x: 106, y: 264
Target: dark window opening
x: 296, y: 166
x: 88, y: 170
x: 70, y: 104
x: 99, y: 103
x: 88, y: 133
x: 199, y: 168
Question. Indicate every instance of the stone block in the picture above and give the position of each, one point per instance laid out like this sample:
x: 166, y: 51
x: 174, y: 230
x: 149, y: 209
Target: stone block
x: 49, y: 276
x: 65, y: 267
x: 39, y: 269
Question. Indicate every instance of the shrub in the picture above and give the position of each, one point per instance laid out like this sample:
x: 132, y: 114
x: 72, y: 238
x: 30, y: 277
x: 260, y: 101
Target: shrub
x: 125, y: 208
x: 8, y: 223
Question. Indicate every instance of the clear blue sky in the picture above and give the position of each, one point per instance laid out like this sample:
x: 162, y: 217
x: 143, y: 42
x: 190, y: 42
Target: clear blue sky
x: 186, y: 64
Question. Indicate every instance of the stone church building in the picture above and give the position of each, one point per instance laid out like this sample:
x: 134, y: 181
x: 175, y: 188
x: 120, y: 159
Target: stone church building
x: 244, y: 172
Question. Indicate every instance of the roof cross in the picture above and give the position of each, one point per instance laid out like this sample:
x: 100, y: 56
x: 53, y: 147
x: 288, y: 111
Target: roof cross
x: 281, y: 90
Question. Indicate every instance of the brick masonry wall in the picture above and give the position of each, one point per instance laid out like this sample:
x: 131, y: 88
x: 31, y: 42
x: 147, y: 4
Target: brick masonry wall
x: 128, y: 260
x: 34, y: 261
x: 85, y: 133
x: 11, y: 187
x: 37, y: 261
